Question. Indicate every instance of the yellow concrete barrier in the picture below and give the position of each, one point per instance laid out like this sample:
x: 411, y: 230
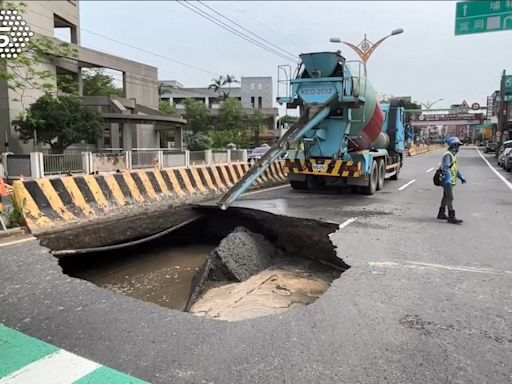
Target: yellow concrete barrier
x: 413, y: 151
x: 54, y: 203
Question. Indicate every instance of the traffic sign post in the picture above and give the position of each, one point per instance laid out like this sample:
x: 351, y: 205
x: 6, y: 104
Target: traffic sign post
x: 508, y: 84
x: 483, y: 16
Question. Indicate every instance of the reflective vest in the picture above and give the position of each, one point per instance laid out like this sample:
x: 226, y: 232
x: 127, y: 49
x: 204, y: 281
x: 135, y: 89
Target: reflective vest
x: 453, y: 169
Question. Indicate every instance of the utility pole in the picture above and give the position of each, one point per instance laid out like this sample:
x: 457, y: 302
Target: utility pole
x: 502, y: 120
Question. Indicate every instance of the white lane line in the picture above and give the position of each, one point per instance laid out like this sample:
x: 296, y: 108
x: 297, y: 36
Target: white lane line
x: 61, y: 367
x: 430, y: 170
x: 406, y: 185
x: 267, y: 189
x: 421, y: 265
x: 507, y: 183
x: 17, y: 241
x: 347, y: 222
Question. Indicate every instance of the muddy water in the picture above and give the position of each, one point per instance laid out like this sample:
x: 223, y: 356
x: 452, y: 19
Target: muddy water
x: 156, y: 273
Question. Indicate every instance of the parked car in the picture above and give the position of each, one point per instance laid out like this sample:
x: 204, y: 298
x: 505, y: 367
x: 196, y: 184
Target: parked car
x: 490, y: 147
x: 502, y: 156
x: 258, y: 152
x: 508, y: 162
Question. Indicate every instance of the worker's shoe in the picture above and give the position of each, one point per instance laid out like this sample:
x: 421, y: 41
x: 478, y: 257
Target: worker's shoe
x: 452, y: 219
x: 442, y: 214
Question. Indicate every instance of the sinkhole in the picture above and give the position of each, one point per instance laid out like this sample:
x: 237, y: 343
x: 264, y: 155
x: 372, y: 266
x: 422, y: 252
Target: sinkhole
x: 227, y: 265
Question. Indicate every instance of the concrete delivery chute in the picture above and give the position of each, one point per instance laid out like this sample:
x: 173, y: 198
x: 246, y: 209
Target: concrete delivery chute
x: 343, y: 136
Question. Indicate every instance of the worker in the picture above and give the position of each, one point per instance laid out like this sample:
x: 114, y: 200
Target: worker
x: 450, y: 176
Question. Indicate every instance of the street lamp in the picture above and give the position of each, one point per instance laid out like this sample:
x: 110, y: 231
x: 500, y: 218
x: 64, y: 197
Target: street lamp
x: 428, y: 106
x: 365, y: 48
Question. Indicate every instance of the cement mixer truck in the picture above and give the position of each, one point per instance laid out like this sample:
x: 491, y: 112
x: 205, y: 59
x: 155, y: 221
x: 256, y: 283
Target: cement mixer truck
x: 343, y: 135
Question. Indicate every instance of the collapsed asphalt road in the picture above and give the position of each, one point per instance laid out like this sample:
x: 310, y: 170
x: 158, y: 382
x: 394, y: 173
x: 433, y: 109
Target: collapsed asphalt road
x: 423, y: 301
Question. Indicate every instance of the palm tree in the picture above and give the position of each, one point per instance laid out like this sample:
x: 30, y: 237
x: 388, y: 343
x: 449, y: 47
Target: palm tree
x: 217, y: 84
x: 230, y: 79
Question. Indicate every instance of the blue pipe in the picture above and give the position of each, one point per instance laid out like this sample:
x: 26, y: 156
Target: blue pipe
x: 262, y: 165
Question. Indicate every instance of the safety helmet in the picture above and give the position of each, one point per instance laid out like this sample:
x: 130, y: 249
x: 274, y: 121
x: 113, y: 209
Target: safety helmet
x: 453, y: 141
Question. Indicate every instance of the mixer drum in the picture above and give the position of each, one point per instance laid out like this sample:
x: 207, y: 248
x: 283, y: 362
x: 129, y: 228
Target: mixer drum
x: 365, y: 133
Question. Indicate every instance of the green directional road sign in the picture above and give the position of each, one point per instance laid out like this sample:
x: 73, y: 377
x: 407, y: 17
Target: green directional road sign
x: 508, y: 84
x: 483, y: 16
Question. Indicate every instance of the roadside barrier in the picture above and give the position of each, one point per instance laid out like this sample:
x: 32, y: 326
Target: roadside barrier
x: 413, y: 151
x: 53, y: 203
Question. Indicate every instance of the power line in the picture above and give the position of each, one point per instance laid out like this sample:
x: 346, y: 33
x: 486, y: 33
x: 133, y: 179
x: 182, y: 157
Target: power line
x: 138, y: 48
x: 262, y: 24
x: 223, y: 25
x: 245, y: 29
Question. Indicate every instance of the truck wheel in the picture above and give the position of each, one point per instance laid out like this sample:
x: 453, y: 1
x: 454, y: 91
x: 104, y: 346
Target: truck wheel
x: 298, y: 185
x: 372, y: 181
x: 395, y: 176
x: 382, y: 174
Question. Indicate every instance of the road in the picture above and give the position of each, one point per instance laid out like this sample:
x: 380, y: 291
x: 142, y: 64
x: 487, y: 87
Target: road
x: 423, y: 302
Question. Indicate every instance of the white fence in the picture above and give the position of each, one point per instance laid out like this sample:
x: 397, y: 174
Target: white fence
x: 40, y: 164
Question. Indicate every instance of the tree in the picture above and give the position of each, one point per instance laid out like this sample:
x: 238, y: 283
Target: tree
x: 168, y: 108
x: 27, y: 71
x: 67, y: 84
x: 199, y: 141
x: 96, y: 82
x: 256, y: 121
x: 230, y: 79
x: 59, y: 122
x: 217, y: 84
x: 196, y: 115
x: 232, y: 118
x: 231, y: 115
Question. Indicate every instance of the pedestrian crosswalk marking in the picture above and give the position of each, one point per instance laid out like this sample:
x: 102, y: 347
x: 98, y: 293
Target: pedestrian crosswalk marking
x: 27, y: 360
x: 60, y: 367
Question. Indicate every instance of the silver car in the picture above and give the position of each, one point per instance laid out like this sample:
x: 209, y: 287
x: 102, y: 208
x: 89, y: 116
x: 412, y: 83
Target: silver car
x: 258, y: 152
x: 507, y: 164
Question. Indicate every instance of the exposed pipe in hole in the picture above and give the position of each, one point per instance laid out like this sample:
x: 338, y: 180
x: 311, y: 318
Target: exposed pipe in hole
x: 65, y: 252
x: 180, y: 268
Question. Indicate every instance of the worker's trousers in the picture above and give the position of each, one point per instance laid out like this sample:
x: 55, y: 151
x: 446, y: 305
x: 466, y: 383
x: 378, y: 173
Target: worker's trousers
x: 447, y: 200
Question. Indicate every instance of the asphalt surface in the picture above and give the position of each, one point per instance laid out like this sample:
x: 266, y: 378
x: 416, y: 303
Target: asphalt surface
x: 423, y: 302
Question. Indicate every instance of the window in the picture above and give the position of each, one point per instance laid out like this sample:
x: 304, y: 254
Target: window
x: 252, y: 86
x: 260, y: 102
x: 252, y: 101
x: 259, y: 86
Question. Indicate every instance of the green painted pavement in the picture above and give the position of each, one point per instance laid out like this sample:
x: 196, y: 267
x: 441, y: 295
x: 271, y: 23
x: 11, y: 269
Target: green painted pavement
x: 18, y: 350
x: 108, y: 375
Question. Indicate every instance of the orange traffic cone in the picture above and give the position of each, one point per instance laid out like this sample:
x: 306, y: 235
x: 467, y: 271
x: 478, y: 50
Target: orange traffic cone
x: 4, y: 192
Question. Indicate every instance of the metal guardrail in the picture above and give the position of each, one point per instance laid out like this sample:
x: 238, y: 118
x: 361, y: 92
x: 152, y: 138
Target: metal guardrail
x: 58, y: 164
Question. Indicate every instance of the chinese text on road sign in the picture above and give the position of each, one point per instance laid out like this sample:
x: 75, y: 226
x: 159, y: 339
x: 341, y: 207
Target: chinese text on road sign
x: 483, y: 16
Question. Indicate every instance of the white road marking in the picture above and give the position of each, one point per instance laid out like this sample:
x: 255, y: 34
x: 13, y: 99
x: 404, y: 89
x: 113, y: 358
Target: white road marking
x: 507, y: 183
x: 406, y: 185
x: 61, y: 367
x: 430, y: 170
x: 265, y: 190
x: 17, y: 241
x: 421, y: 265
x: 347, y: 222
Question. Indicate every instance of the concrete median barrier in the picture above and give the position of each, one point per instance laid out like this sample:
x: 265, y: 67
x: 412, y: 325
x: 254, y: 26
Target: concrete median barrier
x: 53, y: 204
x: 414, y: 151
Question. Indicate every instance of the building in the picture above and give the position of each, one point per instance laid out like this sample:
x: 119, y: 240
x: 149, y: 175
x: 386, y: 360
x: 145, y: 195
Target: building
x: 253, y: 92
x: 131, y: 121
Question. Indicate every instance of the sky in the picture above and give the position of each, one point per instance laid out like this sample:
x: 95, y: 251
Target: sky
x: 427, y: 61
